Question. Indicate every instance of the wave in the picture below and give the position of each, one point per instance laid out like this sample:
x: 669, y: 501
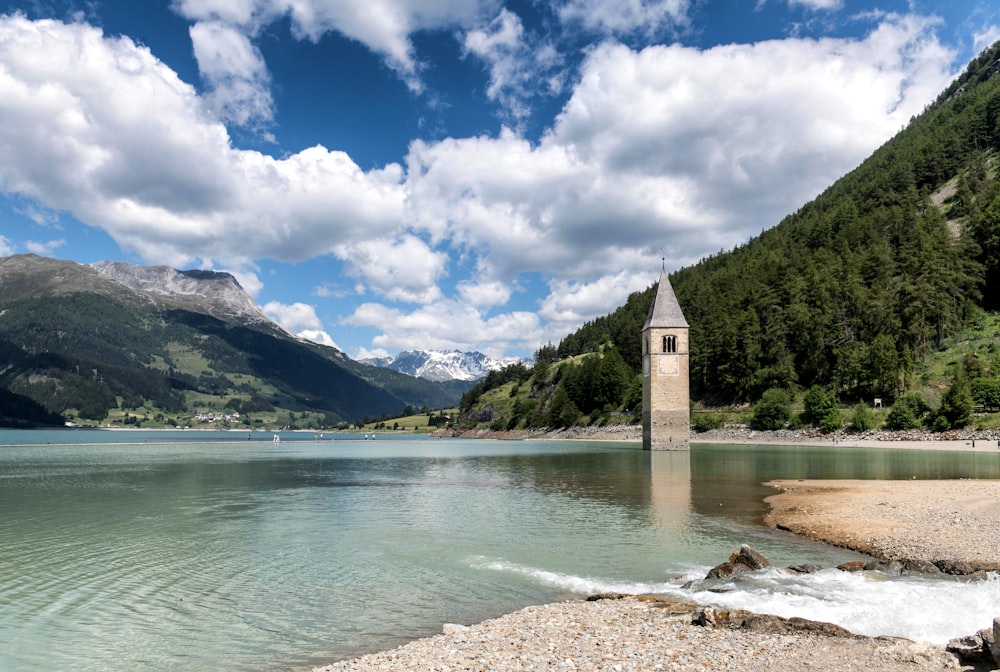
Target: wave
x: 921, y: 608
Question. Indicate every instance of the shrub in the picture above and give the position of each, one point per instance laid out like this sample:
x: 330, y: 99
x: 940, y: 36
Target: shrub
x: 704, y: 422
x: 901, y: 417
x: 862, y: 417
x: 771, y: 412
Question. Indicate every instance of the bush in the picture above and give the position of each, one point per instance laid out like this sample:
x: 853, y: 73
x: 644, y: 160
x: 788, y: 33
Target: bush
x: 901, y: 417
x: 830, y: 422
x: 956, y: 405
x: 907, y: 412
x: 704, y: 422
x: 862, y: 417
x: 771, y: 412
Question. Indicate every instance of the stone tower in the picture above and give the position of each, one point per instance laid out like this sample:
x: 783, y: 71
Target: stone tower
x: 666, y: 395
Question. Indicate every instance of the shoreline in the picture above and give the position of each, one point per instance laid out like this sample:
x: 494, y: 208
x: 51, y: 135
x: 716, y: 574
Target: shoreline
x: 969, y: 440
x: 949, y: 527
x: 639, y: 633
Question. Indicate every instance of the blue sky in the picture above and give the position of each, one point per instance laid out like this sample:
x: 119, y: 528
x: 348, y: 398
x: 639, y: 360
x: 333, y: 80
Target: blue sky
x: 385, y: 175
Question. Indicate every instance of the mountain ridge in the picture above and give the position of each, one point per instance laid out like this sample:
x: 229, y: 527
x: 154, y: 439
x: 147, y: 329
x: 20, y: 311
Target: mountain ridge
x: 93, y: 343
x: 442, y: 365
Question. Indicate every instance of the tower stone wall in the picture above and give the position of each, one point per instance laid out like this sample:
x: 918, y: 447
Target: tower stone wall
x: 666, y: 396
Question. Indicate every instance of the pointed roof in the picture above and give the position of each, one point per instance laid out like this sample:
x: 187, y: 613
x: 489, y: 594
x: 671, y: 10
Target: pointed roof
x: 665, y: 311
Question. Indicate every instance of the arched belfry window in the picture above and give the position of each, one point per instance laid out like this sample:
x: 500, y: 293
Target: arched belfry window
x: 669, y: 344
x: 665, y: 342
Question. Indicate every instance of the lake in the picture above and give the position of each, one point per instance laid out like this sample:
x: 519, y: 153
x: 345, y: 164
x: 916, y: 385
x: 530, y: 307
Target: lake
x: 206, y: 551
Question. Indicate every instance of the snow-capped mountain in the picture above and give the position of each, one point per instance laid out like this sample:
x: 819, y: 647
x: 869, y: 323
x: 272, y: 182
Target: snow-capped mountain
x: 439, y: 365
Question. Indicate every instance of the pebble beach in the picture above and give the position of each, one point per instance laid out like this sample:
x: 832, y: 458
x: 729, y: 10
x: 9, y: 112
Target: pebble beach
x: 638, y: 634
x: 951, y: 524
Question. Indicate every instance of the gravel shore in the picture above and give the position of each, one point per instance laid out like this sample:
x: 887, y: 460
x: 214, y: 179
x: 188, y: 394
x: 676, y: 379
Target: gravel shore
x: 634, y: 634
x: 953, y: 525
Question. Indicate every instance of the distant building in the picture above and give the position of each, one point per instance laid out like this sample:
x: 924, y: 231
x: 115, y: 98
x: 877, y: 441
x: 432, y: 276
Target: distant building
x: 666, y: 393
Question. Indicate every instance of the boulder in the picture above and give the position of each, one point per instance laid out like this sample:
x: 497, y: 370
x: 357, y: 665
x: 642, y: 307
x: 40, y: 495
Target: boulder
x: 853, y: 566
x: 807, y: 568
x: 970, y: 649
x: 739, y: 619
x: 744, y: 560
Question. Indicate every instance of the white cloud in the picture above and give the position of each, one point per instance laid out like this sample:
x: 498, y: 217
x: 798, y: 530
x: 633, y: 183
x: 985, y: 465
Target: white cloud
x: 235, y: 73
x: 572, y: 303
x: 247, y: 278
x: 299, y: 319
x: 78, y: 137
x: 6, y: 248
x: 828, y: 5
x: 293, y: 317
x: 402, y: 269
x: 448, y: 325
x: 515, y: 64
x: 985, y: 37
x: 365, y: 353
x: 484, y: 294
x: 384, y: 26
x: 44, y: 248
x: 626, y: 16
x: 318, y: 336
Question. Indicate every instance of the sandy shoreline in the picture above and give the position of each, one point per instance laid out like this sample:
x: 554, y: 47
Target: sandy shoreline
x: 952, y: 524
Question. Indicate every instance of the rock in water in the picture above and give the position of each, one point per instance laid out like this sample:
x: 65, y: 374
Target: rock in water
x: 744, y: 560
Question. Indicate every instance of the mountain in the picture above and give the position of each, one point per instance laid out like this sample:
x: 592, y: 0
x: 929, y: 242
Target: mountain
x: 440, y: 365
x: 217, y: 293
x: 97, y: 343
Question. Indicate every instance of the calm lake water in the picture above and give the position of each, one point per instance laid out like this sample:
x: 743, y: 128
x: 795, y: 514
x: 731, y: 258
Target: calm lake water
x: 205, y: 551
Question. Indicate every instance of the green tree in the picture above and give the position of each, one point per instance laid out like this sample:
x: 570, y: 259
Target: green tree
x: 986, y: 392
x: 772, y: 411
x: 820, y: 408
x: 956, y: 405
x: 562, y: 411
x: 862, y: 417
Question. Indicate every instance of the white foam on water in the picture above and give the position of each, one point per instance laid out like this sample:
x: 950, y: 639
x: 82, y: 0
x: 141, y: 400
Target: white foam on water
x: 920, y: 608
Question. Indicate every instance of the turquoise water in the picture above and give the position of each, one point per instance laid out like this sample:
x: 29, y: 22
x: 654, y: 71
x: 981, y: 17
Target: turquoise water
x: 205, y: 551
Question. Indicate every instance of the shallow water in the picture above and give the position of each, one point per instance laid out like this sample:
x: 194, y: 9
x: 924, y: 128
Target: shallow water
x: 191, y: 551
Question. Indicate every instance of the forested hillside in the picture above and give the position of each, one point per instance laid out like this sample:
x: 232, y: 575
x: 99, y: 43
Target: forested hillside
x: 853, y: 292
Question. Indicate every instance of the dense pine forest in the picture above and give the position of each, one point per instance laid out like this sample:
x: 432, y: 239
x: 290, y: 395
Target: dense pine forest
x: 847, y: 297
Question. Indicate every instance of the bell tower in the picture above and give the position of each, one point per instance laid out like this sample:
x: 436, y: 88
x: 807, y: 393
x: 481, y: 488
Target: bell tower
x: 666, y: 395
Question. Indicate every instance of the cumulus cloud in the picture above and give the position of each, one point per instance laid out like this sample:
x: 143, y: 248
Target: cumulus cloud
x: 6, y: 247
x: 299, y: 319
x: 484, y: 294
x: 401, y: 269
x: 618, y: 17
x: 985, y: 37
x: 384, y: 26
x: 572, y: 303
x: 45, y: 248
x: 78, y: 137
x: 516, y: 63
x: 448, y: 325
x: 234, y: 70
x: 828, y: 5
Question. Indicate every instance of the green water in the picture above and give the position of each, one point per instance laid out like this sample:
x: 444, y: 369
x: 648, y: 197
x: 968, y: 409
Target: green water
x: 236, y: 555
